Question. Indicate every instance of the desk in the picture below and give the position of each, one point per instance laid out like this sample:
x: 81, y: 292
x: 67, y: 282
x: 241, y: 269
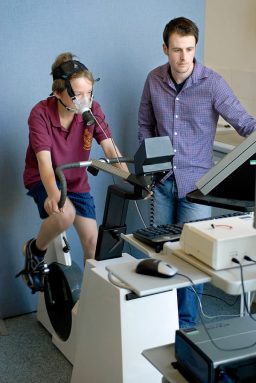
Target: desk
x: 113, y: 331
x: 228, y: 280
x: 162, y: 358
x: 236, y: 351
x: 144, y: 285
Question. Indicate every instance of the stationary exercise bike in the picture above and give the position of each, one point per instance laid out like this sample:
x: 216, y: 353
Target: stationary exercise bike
x: 58, y: 304
x: 58, y: 307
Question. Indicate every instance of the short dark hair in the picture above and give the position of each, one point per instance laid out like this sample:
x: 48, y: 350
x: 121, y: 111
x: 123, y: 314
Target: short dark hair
x: 182, y: 26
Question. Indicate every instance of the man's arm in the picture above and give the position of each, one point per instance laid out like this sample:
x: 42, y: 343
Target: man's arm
x: 146, y: 117
x: 230, y: 108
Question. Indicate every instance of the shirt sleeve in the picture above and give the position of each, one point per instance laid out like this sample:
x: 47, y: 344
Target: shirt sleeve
x: 230, y: 108
x: 102, y: 130
x: 146, y: 118
x: 39, y: 136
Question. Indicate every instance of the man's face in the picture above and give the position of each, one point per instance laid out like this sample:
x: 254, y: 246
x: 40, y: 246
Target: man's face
x: 181, y: 53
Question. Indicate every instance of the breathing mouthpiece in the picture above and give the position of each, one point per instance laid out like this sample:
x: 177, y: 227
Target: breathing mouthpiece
x: 88, y: 117
x: 84, y: 107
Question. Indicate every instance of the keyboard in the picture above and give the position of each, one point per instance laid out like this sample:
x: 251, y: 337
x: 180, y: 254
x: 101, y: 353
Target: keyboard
x: 156, y: 236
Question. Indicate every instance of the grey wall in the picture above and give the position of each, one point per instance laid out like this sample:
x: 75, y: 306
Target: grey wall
x: 120, y: 41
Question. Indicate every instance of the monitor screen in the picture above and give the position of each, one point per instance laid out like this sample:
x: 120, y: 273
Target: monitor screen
x: 233, y: 176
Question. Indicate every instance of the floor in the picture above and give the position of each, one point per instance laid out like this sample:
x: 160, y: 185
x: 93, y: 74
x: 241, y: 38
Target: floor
x: 28, y: 354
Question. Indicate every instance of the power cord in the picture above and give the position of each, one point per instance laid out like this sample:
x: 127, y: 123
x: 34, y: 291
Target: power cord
x: 204, y: 324
x: 247, y: 258
x: 235, y: 260
x: 140, y: 214
x: 152, y: 211
x: 115, y: 148
x: 221, y: 299
x: 104, y: 132
x: 200, y: 302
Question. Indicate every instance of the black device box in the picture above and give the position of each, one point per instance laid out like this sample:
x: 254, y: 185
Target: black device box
x: 230, y: 354
x: 154, y: 155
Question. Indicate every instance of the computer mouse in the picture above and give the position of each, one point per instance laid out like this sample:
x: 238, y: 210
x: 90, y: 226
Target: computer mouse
x: 156, y: 268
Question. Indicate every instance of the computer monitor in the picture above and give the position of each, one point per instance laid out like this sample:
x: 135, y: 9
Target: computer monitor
x: 233, y: 177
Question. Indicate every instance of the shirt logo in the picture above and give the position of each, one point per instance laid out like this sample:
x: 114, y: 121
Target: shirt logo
x: 87, y: 140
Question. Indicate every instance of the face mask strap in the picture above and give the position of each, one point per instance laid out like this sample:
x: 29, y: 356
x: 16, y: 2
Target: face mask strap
x: 70, y: 90
x: 65, y: 71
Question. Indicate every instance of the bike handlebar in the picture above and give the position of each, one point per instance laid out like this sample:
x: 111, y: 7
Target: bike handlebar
x: 104, y: 164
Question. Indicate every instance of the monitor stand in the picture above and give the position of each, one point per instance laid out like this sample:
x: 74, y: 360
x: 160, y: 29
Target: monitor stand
x: 196, y: 196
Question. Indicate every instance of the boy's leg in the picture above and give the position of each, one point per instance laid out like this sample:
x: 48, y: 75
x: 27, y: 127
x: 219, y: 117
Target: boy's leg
x: 85, y: 222
x: 35, y: 249
x: 87, y: 231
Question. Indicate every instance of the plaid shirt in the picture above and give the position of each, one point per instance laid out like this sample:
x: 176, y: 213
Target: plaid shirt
x: 190, y: 119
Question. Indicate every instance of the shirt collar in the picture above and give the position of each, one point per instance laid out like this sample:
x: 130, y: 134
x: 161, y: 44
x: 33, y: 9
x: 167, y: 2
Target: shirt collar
x: 199, y: 72
x: 52, y: 103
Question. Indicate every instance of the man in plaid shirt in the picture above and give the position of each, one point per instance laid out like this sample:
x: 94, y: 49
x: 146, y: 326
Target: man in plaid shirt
x: 183, y: 100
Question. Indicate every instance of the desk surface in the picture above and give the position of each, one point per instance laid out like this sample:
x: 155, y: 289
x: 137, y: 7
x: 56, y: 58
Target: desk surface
x: 228, y: 280
x: 144, y: 285
x: 161, y: 358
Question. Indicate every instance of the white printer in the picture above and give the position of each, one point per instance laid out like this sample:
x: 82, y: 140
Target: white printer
x: 215, y: 242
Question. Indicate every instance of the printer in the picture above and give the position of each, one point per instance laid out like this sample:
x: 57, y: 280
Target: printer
x: 224, y: 352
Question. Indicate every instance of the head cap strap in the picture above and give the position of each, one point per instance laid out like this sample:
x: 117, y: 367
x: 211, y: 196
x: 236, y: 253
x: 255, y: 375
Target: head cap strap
x: 65, y: 70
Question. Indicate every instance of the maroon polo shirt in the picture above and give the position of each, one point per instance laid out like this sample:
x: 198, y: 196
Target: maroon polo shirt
x: 74, y: 145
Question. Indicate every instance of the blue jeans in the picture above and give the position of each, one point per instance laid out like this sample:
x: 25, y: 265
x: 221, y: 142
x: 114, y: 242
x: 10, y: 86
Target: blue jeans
x: 168, y: 208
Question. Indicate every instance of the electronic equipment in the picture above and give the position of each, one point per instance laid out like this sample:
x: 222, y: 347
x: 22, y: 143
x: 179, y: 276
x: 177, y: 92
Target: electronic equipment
x: 156, y: 236
x: 58, y: 307
x: 110, y: 243
x: 152, y: 159
x: 232, y: 177
x: 156, y: 268
x: 216, y: 242
x: 232, y: 357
